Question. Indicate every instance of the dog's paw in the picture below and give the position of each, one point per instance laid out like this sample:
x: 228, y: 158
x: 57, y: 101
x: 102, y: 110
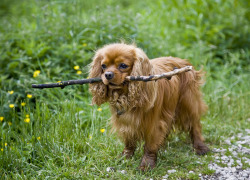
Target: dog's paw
x: 148, y: 162
x: 201, y: 149
x: 127, y: 153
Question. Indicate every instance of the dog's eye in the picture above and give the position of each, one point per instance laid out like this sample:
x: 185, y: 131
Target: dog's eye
x: 123, y: 66
x: 104, y: 66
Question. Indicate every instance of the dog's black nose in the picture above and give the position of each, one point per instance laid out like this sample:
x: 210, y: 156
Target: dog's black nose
x: 109, y: 75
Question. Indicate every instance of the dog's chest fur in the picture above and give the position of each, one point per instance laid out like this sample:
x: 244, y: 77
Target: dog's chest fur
x: 119, y: 102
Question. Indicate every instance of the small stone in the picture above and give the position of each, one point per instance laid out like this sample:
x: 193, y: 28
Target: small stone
x: 235, y: 153
x: 239, y: 135
x: 233, y: 169
x: 172, y: 171
x: 109, y: 169
x: 224, y: 158
x: 123, y: 172
x: 244, y: 174
x: 228, y: 142
x: 242, y: 142
x: 166, y: 176
x: 245, y: 137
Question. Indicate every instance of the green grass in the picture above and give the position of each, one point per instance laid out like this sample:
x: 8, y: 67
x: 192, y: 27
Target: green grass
x: 62, y: 140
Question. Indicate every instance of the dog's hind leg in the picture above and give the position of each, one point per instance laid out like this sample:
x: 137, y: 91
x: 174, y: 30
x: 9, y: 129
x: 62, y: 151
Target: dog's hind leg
x: 189, y: 111
x: 197, y: 139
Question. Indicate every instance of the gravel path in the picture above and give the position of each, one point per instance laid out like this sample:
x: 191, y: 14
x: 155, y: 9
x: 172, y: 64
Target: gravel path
x: 228, y: 163
x: 230, y: 166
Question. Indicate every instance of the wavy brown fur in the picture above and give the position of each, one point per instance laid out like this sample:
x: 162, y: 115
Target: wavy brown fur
x: 148, y: 110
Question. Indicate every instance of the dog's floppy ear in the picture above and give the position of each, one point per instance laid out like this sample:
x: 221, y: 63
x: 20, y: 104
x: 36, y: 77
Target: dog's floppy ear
x: 142, y: 94
x: 98, y: 90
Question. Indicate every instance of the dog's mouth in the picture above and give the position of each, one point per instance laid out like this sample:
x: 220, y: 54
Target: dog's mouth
x: 116, y: 86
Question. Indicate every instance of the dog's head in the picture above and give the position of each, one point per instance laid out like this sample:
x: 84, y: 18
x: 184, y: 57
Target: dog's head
x: 113, y: 63
x: 116, y: 62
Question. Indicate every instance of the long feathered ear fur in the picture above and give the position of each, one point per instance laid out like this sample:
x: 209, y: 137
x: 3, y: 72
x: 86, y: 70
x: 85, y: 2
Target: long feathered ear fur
x: 98, y: 90
x: 142, y: 94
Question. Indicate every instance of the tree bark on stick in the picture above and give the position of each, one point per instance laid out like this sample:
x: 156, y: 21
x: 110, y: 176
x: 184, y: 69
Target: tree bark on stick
x: 167, y: 75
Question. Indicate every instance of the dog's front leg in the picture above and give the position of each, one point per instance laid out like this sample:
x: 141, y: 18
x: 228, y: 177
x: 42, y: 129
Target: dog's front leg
x: 153, y: 140
x: 130, y: 146
x: 149, y: 159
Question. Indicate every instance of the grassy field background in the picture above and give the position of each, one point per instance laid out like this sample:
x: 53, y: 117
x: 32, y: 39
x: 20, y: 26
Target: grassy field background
x: 57, y: 134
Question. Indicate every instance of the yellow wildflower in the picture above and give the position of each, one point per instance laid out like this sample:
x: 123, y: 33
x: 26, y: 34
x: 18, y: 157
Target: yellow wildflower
x: 76, y: 67
x: 1, y: 118
x: 27, y: 115
x: 1, y: 149
x: 90, y: 137
x: 29, y: 95
x: 87, y: 77
x: 5, y: 144
x: 27, y: 120
x: 59, y: 81
x: 9, y: 123
x: 10, y: 92
x: 79, y: 72
x: 38, y: 138
x: 36, y: 73
x: 99, y: 109
x: 84, y: 44
x: 23, y: 104
x: 11, y: 105
x: 102, y: 130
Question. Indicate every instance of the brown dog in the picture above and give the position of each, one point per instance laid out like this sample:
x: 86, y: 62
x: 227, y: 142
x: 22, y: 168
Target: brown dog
x: 147, y: 110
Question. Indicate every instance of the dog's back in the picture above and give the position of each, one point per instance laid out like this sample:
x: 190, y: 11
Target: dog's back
x: 189, y: 103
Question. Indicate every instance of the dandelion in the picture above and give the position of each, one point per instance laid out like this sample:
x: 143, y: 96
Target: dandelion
x: 99, y: 109
x: 1, y: 118
x: 84, y: 44
x: 102, y: 130
x: 10, y: 92
x: 27, y: 120
x: 29, y: 95
x: 23, y: 104
x: 36, y: 73
x: 2, y: 149
x: 11, y: 105
x: 76, y: 67
x: 90, y: 137
x: 9, y: 123
x: 5, y: 144
x: 27, y: 115
x: 79, y: 72
x: 38, y: 138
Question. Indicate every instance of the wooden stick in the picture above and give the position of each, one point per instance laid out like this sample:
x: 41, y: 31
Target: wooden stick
x: 167, y: 75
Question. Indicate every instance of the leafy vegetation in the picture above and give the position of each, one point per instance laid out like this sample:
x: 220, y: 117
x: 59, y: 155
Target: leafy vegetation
x: 55, y: 133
